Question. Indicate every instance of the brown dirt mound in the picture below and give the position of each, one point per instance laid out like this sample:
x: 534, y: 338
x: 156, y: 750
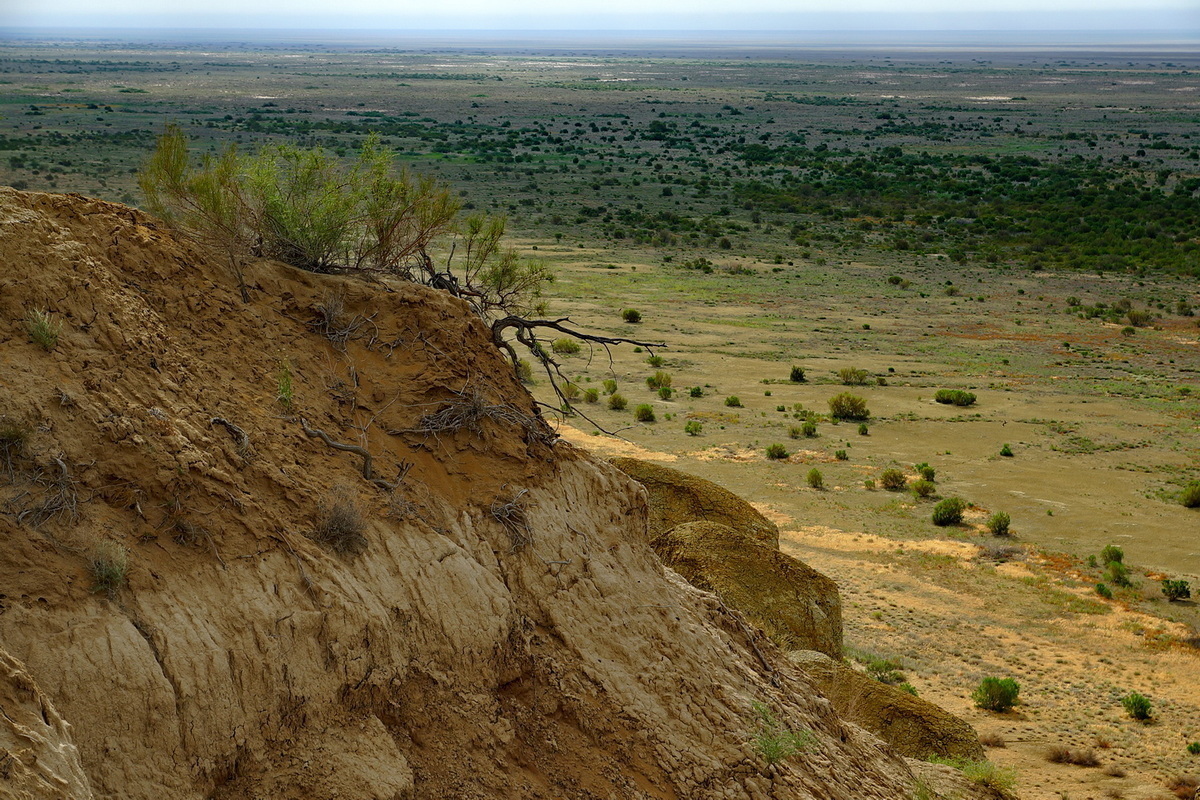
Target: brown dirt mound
x: 500, y: 627
x: 915, y: 727
x: 677, y: 497
x: 798, y: 607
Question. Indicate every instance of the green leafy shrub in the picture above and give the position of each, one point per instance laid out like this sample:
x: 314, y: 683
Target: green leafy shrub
x: 955, y: 397
x: 869, y: 484
x: 923, y: 488
x: 795, y: 431
x: 658, y: 380
x: 610, y: 386
x: 524, y: 371
x: 925, y: 471
x: 1112, y: 553
x: 696, y: 391
x: 1002, y: 781
x: 997, y: 524
x: 1006, y: 451
x: 1194, y: 748
x: 996, y: 694
x: 893, y: 480
x: 1176, y: 589
x: 617, y: 401
x: 665, y: 392
x: 285, y: 388
x: 655, y: 361
x: 852, y: 376
x: 1118, y: 574
x: 1190, y: 496
x: 797, y: 375
x: 644, y: 412
x: 809, y: 429
x: 693, y: 427
x: 570, y: 390
x: 1136, y: 705
x: 949, y: 511
x: 1103, y: 590
x: 773, y: 740
x: 863, y: 430
x: 733, y: 401
x: 631, y: 315
x: 591, y: 395
x: 841, y: 455
x: 43, y: 330
x: 815, y: 479
x: 565, y: 346
x: 907, y: 688
x: 848, y: 406
x: 776, y: 452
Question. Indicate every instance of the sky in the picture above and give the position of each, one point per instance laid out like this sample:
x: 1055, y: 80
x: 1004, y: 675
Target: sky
x: 763, y: 15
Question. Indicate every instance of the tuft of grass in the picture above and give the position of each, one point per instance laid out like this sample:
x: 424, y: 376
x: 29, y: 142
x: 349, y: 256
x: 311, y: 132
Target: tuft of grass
x: 923, y: 488
x: 43, y: 330
x: 565, y: 346
x: 109, y: 565
x: 925, y: 471
x: 773, y: 740
x: 658, y: 380
x: 809, y: 429
x: 340, y: 523
x: 852, y: 376
x: 285, y: 386
x: 1001, y: 780
x: 955, y: 397
x: 1082, y: 757
x: 863, y: 430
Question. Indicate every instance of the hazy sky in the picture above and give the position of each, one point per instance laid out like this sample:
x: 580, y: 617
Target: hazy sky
x: 1169, y: 15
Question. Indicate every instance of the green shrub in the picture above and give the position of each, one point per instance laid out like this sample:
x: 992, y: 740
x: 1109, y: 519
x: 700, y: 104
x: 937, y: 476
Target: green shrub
x: 777, y: 452
x: 693, y: 427
x: 852, y: 376
x: 997, y: 524
x: 665, y: 392
x: 109, y: 565
x: 631, y: 315
x: 955, y: 397
x: 1006, y: 451
x: 644, y: 412
x: 996, y: 694
x: 591, y: 395
x: 809, y: 429
x: 848, y: 406
x: 949, y: 511
x: 610, y: 386
x: 795, y: 431
x: 1103, y: 590
x: 658, y: 380
x: 285, y: 387
x: 1190, y: 496
x: 1118, y: 574
x: 863, y: 430
x: 907, y: 688
x: 869, y: 484
x: 570, y: 390
x: 797, y: 375
x: 524, y: 371
x: 733, y: 401
x: 1112, y: 553
x: 781, y: 408
x: 925, y: 471
x: 696, y: 391
x: 923, y: 488
x: 775, y: 741
x: 1002, y: 781
x: 841, y: 455
x: 617, y: 401
x: 1194, y: 748
x: 42, y: 329
x: 893, y: 480
x: 815, y: 479
x: 1136, y: 705
x: 1176, y: 589
x: 655, y: 361
x: 565, y: 346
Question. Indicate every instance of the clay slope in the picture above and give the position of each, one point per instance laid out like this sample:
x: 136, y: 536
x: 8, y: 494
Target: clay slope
x: 446, y: 655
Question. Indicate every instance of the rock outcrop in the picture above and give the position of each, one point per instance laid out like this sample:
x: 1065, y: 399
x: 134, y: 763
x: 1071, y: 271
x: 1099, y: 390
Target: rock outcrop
x: 176, y: 586
x: 677, y: 497
x: 796, y: 606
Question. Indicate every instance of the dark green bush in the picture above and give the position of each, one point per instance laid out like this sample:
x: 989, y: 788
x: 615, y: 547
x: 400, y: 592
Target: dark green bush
x: 631, y: 315
x: 696, y: 391
x: 693, y: 427
x: 1176, y: 589
x: 848, y: 406
x: 797, y: 375
x: 733, y: 401
x: 644, y: 413
x: 996, y: 694
x: 949, y: 511
x: 658, y: 380
x: 777, y: 452
x: 815, y: 479
x: 893, y: 480
x: 955, y: 397
x: 1190, y: 496
x: 863, y: 430
x: 841, y: 455
x: 617, y: 401
x: 1112, y: 553
x: 809, y: 429
x: 665, y: 392
x: 923, y: 488
x: 925, y: 471
x: 1103, y: 590
x: 1006, y: 451
x: 997, y: 524
x: 1136, y: 705
x: 1118, y: 574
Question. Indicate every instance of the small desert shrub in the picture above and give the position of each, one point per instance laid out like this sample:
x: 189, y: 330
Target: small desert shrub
x: 996, y: 694
x: 610, y: 386
x: 1136, y: 705
x: 658, y: 380
x: 848, y: 406
x: 14, y: 437
x: 869, y: 484
x: 1112, y: 553
x: 815, y: 479
x: 841, y: 455
x: 1190, y: 496
x: 1183, y: 786
x: 285, y: 391
x: 925, y: 471
x: 655, y: 361
x: 852, y: 376
x: 340, y: 524
x: 109, y: 564
x: 1103, y: 590
x: 992, y: 740
x: 1194, y: 748
x: 949, y: 511
x: 617, y: 401
x: 776, y: 452
x: 42, y: 329
x: 797, y: 375
x: 863, y: 430
x: 893, y: 480
x: 695, y: 391
x: 665, y: 392
x: 923, y: 488
x: 565, y: 346
x: 1138, y: 318
x: 773, y: 740
x: 1176, y: 589
x: 1006, y: 451
x: 524, y: 371
x: 693, y: 427
x: 907, y: 688
x: 733, y: 401
x: 631, y: 315
x: 795, y: 432
x: 809, y: 429
x: 591, y: 395
x: 644, y: 413
x: 997, y: 524
x: 1118, y: 574
x: 1082, y: 757
x: 955, y: 397
x: 571, y: 391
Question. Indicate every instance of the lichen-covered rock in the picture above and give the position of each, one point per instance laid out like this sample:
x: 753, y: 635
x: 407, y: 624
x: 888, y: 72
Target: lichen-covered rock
x: 677, y: 497
x: 798, y: 607
x: 915, y: 727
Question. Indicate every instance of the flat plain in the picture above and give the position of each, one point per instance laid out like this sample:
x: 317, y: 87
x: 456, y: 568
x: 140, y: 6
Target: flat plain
x: 1019, y: 225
